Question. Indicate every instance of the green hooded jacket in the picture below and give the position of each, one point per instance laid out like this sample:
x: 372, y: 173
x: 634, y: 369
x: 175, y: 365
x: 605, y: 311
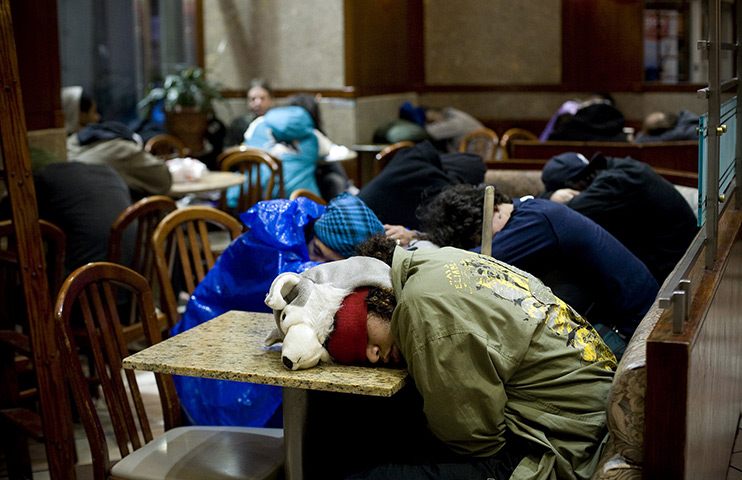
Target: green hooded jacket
x: 491, y: 349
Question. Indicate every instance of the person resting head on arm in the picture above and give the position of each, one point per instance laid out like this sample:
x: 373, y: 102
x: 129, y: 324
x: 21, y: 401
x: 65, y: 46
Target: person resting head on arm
x: 580, y: 261
x: 111, y: 143
x: 487, y: 346
x: 347, y: 221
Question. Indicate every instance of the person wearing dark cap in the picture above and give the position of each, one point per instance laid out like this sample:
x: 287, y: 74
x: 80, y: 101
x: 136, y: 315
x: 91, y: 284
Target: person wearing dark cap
x: 579, y: 260
x: 513, y: 381
x: 630, y: 200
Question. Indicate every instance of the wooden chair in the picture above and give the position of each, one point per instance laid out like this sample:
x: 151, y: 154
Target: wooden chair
x: 54, y: 245
x: 187, y: 235
x: 166, y: 146
x: 180, y: 452
x: 483, y: 141
x: 385, y: 156
x: 18, y: 388
x: 506, y: 142
x: 303, y: 192
x: 143, y: 215
x: 249, y: 161
x: 230, y: 151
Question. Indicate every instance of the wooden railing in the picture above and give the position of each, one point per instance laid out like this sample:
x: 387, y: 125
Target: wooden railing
x: 676, y: 161
x: 694, y: 377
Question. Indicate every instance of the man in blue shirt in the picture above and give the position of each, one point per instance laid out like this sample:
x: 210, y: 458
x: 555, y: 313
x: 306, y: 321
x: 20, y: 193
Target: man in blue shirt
x: 580, y: 261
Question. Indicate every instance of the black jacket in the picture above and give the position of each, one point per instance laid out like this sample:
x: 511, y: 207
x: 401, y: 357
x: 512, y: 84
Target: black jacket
x: 599, y: 122
x: 415, y: 175
x: 642, y: 210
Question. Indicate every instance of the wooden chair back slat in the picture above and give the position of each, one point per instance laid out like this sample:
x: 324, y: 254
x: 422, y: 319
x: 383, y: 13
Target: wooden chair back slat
x: 166, y: 146
x: 18, y: 356
x: 303, y: 192
x: 254, y: 164
x: 143, y: 215
x: 483, y: 142
x: 206, y: 255
x: 385, y: 156
x: 183, y: 236
x: 511, y: 135
x: 91, y: 293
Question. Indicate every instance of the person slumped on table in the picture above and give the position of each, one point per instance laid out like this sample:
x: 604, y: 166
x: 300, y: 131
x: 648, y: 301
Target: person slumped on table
x: 645, y: 212
x: 111, y: 143
x: 415, y: 175
x: 668, y: 127
x: 513, y: 380
x: 83, y: 200
x: 595, y: 119
x: 283, y: 236
x: 579, y: 260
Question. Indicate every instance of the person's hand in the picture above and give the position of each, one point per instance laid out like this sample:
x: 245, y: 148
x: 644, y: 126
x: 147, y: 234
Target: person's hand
x: 400, y: 234
x: 564, y: 195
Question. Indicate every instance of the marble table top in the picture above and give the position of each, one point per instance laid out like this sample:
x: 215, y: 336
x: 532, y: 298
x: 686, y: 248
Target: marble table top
x: 213, y: 180
x: 230, y: 347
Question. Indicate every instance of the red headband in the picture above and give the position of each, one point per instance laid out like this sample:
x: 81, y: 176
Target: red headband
x: 347, y: 343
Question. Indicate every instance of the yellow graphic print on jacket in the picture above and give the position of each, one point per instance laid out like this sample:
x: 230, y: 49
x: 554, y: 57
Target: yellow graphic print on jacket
x: 475, y: 274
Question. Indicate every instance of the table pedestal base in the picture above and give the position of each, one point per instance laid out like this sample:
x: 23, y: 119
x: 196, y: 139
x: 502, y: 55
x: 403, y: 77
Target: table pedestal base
x: 295, y: 406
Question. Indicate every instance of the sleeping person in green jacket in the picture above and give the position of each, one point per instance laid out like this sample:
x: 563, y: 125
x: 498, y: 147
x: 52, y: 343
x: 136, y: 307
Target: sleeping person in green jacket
x: 513, y: 381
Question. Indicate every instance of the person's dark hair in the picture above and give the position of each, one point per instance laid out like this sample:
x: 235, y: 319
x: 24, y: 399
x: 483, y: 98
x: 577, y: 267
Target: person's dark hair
x: 377, y: 246
x: 309, y: 103
x: 381, y: 301
x: 583, y: 180
x: 454, y: 217
x: 262, y: 83
x: 86, y: 101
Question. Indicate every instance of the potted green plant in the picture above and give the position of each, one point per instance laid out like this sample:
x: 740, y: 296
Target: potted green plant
x: 187, y: 103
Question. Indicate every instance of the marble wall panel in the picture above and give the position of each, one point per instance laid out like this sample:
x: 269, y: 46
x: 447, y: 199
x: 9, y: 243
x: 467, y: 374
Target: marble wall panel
x: 295, y: 44
x: 492, y: 42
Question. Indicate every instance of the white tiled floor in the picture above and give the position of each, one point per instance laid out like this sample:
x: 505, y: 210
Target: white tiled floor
x: 148, y: 388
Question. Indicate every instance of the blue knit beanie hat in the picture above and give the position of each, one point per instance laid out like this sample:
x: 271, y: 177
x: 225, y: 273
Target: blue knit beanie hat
x: 347, y: 221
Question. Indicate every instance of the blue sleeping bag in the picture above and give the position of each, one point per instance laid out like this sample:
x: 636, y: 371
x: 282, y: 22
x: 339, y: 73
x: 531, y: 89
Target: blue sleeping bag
x: 239, y: 280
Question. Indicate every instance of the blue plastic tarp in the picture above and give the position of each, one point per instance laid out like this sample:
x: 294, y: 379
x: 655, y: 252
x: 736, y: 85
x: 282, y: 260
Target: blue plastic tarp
x: 239, y: 280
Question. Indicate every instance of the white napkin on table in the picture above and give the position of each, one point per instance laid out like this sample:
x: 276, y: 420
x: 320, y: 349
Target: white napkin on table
x: 186, y: 169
